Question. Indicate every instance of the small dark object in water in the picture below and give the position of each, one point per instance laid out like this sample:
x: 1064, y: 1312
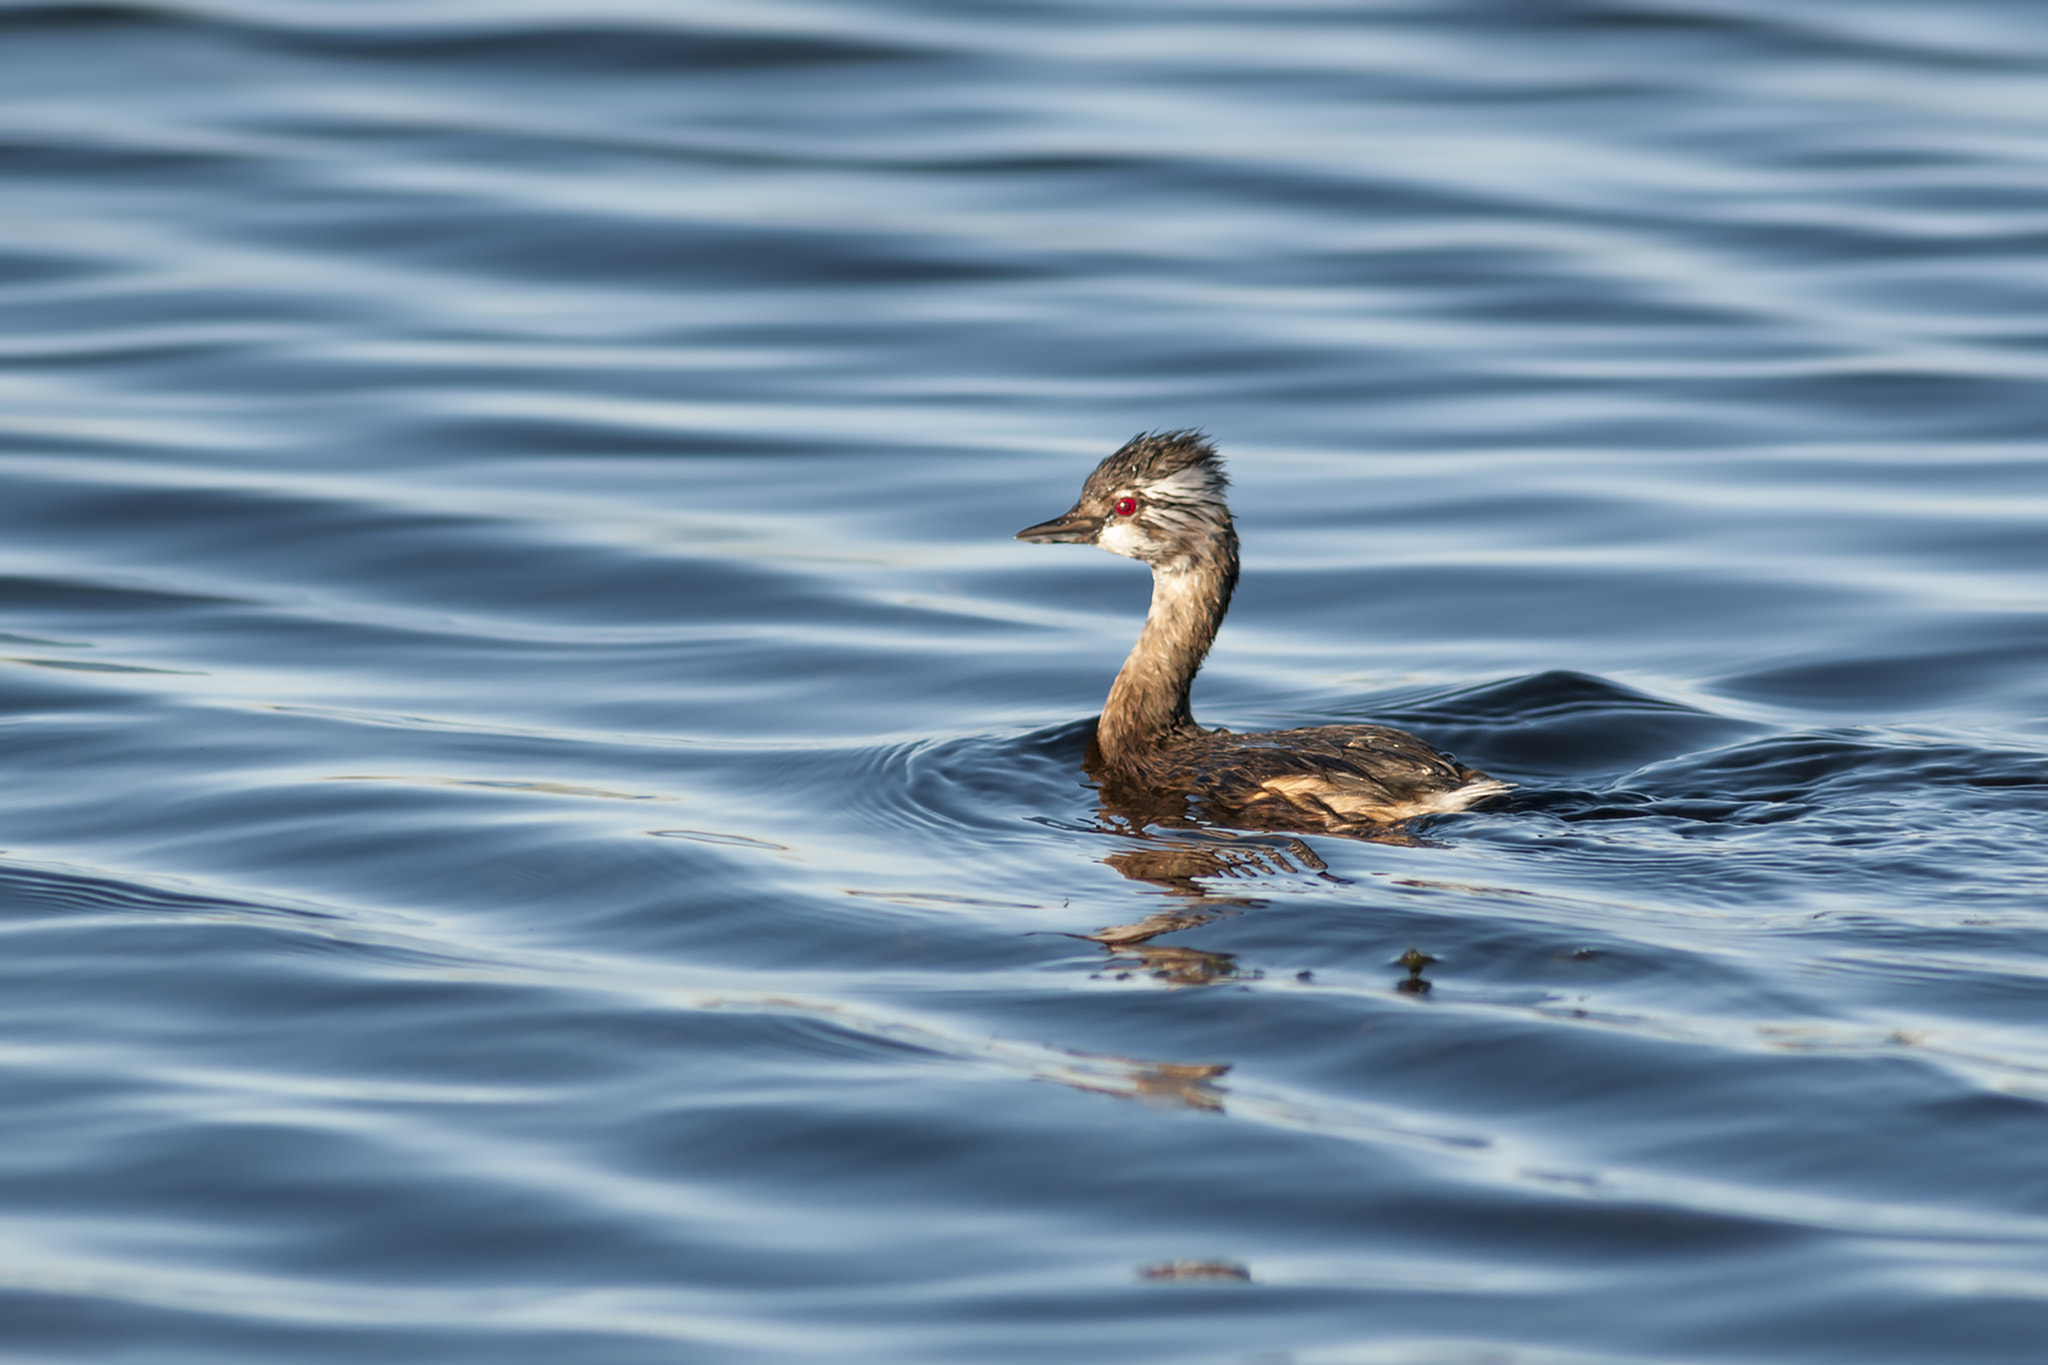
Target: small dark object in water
x: 1414, y: 960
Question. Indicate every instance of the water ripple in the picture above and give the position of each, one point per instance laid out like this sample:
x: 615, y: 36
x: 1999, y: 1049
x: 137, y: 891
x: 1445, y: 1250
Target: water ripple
x: 546, y: 817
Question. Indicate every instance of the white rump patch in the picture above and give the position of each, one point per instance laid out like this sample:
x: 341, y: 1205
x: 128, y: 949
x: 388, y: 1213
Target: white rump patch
x: 1359, y: 803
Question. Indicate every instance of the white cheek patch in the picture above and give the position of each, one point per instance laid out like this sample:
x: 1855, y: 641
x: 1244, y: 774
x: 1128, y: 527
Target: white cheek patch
x: 1122, y: 537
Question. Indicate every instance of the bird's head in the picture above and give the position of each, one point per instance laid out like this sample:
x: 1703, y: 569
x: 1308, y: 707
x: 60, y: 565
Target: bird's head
x: 1159, y: 499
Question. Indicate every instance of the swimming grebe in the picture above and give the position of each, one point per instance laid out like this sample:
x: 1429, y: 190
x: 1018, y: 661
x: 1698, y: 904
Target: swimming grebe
x: 1160, y: 499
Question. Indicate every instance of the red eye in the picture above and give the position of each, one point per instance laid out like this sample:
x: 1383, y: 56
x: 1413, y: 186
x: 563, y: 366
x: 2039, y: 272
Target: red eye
x: 1126, y: 506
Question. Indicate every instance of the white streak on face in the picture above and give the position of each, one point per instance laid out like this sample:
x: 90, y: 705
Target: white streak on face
x: 1193, y: 484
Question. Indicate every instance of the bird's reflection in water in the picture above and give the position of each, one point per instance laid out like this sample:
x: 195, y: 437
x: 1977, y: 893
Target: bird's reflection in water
x: 1173, y: 1085
x: 1178, y: 855
x: 1177, y: 869
x: 1183, y: 858
x: 1178, y: 966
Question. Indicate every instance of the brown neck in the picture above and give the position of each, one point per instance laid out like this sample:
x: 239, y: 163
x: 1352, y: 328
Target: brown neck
x: 1148, y: 702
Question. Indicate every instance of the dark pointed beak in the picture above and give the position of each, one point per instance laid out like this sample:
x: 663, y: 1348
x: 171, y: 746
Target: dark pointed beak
x: 1072, y: 525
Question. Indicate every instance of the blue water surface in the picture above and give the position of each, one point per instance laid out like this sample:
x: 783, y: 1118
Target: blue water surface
x: 544, y: 817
